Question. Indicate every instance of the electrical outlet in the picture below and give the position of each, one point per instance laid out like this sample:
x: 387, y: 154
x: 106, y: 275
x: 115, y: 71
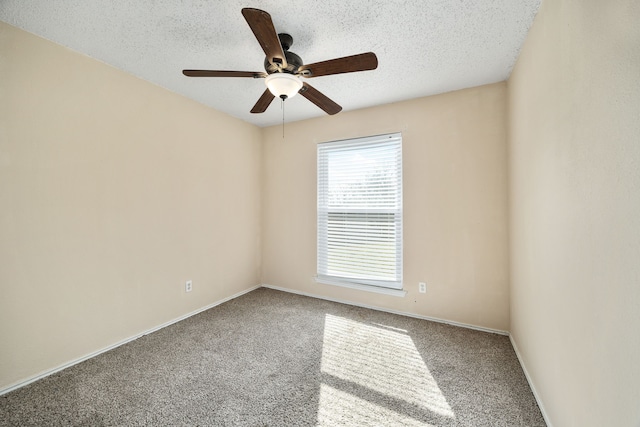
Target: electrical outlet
x: 422, y: 287
x: 188, y: 286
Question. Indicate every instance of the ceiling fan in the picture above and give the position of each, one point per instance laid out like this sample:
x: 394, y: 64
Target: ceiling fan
x: 284, y: 68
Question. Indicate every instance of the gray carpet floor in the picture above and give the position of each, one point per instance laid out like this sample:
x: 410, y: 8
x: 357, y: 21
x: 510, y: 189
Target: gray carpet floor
x: 270, y: 358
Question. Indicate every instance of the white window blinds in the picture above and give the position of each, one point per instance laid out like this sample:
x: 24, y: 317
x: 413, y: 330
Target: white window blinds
x: 360, y: 211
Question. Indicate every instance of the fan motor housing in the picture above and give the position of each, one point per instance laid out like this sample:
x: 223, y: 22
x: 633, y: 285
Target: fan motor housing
x: 293, y: 61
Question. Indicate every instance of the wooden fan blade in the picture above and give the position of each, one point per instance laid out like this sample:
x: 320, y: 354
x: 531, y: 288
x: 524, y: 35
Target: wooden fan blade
x: 219, y: 73
x: 347, y: 64
x: 262, y: 27
x: 263, y: 102
x: 319, y: 99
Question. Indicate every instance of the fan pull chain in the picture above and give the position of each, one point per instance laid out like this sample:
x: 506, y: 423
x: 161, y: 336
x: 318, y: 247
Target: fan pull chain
x: 282, y: 107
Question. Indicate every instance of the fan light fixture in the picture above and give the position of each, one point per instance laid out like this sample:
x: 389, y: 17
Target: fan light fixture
x: 283, y: 85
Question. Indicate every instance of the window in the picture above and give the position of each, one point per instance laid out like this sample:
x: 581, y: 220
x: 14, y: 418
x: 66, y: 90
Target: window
x: 360, y: 212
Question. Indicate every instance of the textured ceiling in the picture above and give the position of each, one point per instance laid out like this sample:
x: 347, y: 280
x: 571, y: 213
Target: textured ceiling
x: 424, y: 47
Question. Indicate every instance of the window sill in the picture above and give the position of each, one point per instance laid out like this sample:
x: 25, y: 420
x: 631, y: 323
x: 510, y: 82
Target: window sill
x: 368, y: 288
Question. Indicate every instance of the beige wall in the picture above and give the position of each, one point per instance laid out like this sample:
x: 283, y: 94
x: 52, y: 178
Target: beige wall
x: 455, y: 204
x: 575, y: 211
x: 113, y: 192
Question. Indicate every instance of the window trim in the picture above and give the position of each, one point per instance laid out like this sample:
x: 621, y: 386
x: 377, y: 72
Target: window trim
x: 369, y: 288
x: 378, y: 286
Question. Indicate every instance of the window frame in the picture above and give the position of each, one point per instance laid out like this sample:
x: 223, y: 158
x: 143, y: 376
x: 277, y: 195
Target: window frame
x: 391, y: 142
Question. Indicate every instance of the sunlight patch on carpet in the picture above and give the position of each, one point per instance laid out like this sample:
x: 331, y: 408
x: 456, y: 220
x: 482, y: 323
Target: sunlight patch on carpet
x: 339, y: 408
x: 380, y: 369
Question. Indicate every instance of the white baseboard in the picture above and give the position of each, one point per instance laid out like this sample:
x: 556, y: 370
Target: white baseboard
x: 193, y: 313
x: 533, y: 388
x: 118, y: 344
x: 402, y: 313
